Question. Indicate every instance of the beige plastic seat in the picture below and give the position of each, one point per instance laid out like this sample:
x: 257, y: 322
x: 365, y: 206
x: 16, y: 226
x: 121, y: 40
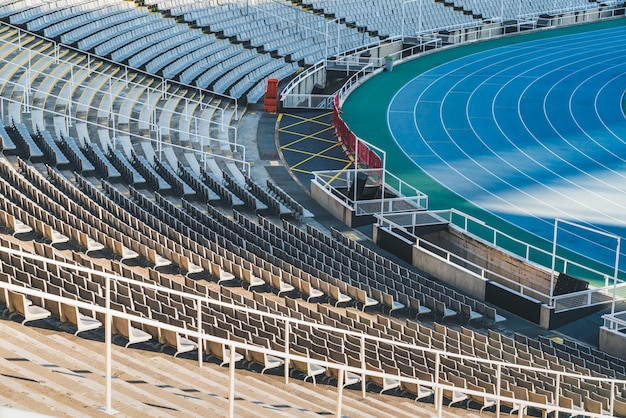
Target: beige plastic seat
x: 17, y: 226
x: 349, y: 378
x: 309, y: 369
x: 336, y: 294
x: 492, y: 315
x: 418, y: 307
x: 418, y: 390
x: 443, y: 311
x: 179, y: 343
x: 385, y: 383
x: 279, y: 284
x: 567, y: 402
x: 53, y: 236
x: 189, y: 267
x: 222, y: 276
x: 82, y: 322
x: 19, y: 305
x: 468, y: 313
x: 251, y: 280
x: 392, y: 304
x: 87, y: 243
x: 267, y: 361
x: 482, y: 398
x: 154, y: 259
x: 512, y: 405
x: 310, y: 291
x: 122, y: 252
x: 220, y: 351
x: 454, y: 395
x: 123, y: 327
x: 365, y: 300
x: 619, y: 407
x: 540, y: 398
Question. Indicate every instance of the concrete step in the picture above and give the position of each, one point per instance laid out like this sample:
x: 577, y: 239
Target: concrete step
x: 47, y: 363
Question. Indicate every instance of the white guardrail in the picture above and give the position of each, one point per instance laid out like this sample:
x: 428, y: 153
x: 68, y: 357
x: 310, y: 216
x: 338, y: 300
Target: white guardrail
x: 465, y: 223
x: 197, y: 134
x: 401, y: 48
x: 289, y: 324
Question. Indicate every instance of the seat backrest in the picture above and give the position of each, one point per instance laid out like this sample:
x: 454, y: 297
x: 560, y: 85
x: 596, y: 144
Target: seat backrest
x: 170, y: 338
x: 507, y: 394
x: 520, y: 393
x: 441, y: 329
x: 446, y: 392
x: 489, y: 387
x: 457, y: 381
x: 566, y: 402
x: 4, y: 293
x: 602, y: 399
x: 121, y: 326
x: 538, y: 398
x: 17, y: 302
x: 476, y: 388
x: 455, y: 305
x: 428, y: 377
x: 300, y: 364
x: 274, y: 280
x: 619, y: 407
x: 575, y: 397
x: 387, y: 299
x: 592, y: 405
x: 69, y: 313
x: 466, y: 310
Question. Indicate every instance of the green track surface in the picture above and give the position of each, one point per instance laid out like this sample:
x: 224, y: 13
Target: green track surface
x: 365, y: 111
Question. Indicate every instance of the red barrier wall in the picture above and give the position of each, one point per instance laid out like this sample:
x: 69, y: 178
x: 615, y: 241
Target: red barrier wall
x: 366, y: 158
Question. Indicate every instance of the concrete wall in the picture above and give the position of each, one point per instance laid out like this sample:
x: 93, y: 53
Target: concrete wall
x: 546, y: 315
x: 387, y: 49
x: 470, y: 282
x: 495, y: 260
x: 394, y: 243
x: 612, y: 342
x: 489, y: 30
x: 333, y: 205
x: 306, y: 86
x: 456, y: 276
x: 588, y: 16
x: 569, y: 18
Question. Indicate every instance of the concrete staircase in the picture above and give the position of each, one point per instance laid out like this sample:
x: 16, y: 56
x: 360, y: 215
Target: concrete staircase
x: 47, y: 370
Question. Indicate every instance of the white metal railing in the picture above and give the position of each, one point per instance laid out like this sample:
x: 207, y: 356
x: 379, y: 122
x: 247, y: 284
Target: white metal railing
x: 615, y: 321
x: 316, y: 68
x: 513, y: 280
x: 536, y: 291
x: 358, y: 78
x: 564, y: 10
x: 149, y: 94
x: 418, y: 43
x: 292, y: 97
x: 337, y: 183
x: 590, y: 297
x: 529, y: 252
x: 290, y: 323
x: 127, y: 69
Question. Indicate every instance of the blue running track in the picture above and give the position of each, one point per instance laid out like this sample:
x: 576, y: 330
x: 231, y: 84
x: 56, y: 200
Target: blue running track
x: 529, y: 132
